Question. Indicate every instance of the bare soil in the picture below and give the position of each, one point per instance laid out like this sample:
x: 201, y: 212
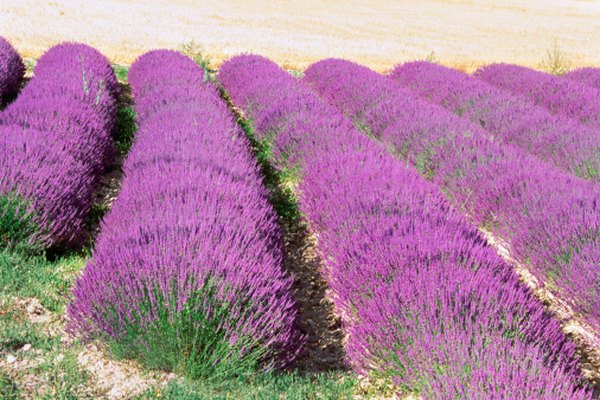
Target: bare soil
x: 110, y: 379
x: 324, y: 347
x: 459, y: 33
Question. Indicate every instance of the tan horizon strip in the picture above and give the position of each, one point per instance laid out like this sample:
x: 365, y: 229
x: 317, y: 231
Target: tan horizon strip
x: 463, y: 34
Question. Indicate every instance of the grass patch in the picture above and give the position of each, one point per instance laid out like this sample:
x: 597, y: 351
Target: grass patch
x: 53, y: 364
x: 8, y: 388
x: 17, y: 225
x: 16, y: 331
x: 196, y: 52
x: 65, y: 378
x: 125, y: 129
x: 290, y: 386
x: 35, y: 276
x: 296, y: 73
x: 191, y: 340
x: 280, y: 183
x: 121, y: 71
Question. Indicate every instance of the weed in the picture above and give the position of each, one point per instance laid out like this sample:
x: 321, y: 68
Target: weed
x: 280, y: 182
x: 125, y: 129
x: 65, y: 377
x: 121, y: 71
x: 196, y: 52
x: 296, y: 73
x: 290, y: 386
x: 432, y: 58
x: 8, y: 388
x: 556, y: 61
x: 35, y: 276
x: 16, y: 330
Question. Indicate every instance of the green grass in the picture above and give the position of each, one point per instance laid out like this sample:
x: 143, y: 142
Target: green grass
x: 280, y: 182
x: 296, y: 73
x: 48, y: 359
x: 17, y: 224
x: 8, y: 388
x: 267, y: 386
x: 192, y: 340
x: 121, y: 71
x: 65, y: 378
x: 196, y: 52
x: 16, y: 331
x: 24, y: 275
x: 125, y: 129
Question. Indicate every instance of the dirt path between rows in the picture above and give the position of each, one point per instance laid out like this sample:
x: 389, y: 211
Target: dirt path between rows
x: 460, y: 33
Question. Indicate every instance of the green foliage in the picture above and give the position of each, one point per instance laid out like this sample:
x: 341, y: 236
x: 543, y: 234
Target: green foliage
x: 364, y: 128
x: 196, y: 52
x: 60, y: 376
x: 16, y: 330
x: 66, y: 379
x: 121, y: 71
x: 34, y: 276
x: 97, y: 212
x: 8, y: 388
x: 556, y: 61
x: 296, y: 73
x: 587, y: 170
x: 280, y: 182
x: 125, y: 129
x: 190, y: 340
x: 424, y: 162
x: 30, y: 64
x: 432, y: 58
x: 17, y: 224
x: 267, y: 386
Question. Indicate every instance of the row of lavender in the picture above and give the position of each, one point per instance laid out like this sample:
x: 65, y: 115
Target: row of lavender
x: 425, y: 301
x: 561, y: 96
x: 187, y: 271
x: 55, y: 140
x: 589, y: 76
x: 549, y: 219
x: 569, y: 145
x: 12, y: 71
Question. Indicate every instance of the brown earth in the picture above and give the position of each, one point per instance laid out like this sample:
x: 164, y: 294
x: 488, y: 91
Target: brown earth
x: 377, y: 33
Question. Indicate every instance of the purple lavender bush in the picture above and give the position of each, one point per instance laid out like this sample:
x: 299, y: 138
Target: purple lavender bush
x: 425, y: 301
x: 12, y: 71
x: 561, y: 96
x: 59, y: 134
x: 187, y: 271
x: 549, y: 219
x: 589, y: 76
x: 570, y: 146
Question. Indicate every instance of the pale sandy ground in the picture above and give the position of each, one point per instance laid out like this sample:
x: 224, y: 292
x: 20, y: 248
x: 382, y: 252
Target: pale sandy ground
x: 378, y: 33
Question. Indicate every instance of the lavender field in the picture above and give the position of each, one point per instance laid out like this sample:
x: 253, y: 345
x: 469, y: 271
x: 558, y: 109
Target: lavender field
x: 170, y: 230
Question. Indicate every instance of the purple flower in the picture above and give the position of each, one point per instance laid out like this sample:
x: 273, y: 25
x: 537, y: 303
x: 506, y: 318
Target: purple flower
x: 12, y: 70
x: 56, y: 140
x: 190, y: 235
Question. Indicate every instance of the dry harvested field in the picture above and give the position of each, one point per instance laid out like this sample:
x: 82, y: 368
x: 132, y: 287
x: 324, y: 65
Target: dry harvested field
x: 376, y: 33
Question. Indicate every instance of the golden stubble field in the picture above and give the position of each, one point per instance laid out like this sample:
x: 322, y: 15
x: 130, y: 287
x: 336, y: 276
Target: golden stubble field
x: 464, y: 34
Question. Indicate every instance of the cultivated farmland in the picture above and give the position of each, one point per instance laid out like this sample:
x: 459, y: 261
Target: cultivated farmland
x: 172, y: 230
